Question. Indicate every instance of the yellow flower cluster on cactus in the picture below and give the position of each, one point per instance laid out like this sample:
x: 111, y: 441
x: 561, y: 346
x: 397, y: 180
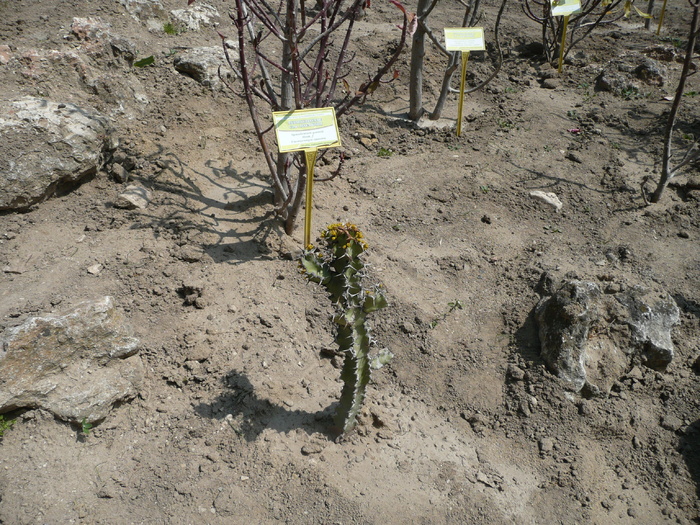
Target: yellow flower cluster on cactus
x: 343, y: 236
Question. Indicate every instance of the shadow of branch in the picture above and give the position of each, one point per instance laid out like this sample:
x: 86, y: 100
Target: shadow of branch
x: 249, y: 415
x: 240, y: 218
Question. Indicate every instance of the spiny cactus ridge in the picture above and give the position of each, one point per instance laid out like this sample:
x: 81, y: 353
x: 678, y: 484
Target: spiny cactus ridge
x: 337, y: 265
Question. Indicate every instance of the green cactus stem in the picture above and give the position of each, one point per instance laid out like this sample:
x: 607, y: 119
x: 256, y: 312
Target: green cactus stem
x: 337, y: 264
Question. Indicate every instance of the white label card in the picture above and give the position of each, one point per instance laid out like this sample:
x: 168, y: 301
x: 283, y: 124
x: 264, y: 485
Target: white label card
x: 302, y: 129
x: 565, y: 7
x: 464, y: 39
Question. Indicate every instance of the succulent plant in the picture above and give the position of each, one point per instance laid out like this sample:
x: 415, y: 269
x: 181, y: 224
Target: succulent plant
x: 337, y: 264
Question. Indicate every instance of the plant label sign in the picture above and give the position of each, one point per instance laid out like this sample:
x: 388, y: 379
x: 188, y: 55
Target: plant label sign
x: 565, y: 7
x: 305, y: 129
x: 464, y: 39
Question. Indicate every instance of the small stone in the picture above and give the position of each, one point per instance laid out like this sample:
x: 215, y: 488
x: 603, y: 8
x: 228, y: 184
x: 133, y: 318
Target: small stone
x: 585, y: 408
x: 74, y: 143
x: 265, y: 321
x: 547, y: 198
x: 408, y: 327
x: 613, y: 288
x: 525, y: 409
x: 189, y: 253
x: 193, y: 366
x: 123, y: 48
x: 119, y: 173
x: 635, y: 373
x: 95, y: 269
x: 77, y: 365
x: 651, y: 72
x: 551, y: 83
x: 546, y: 445
x: 134, y: 197
x: 574, y: 157
x: 547, y: 285
x: 367, y: 142
x: 5, y: 55
x: 515, y: 373
x: 671, y: 422
x: 311, y: 449
x: 17, y: 267
x: 195, y: 16
x: 478, y: 422
x: 684, y: 234
x: 202, y: 64
x: 493, y: 481
x: 366, y: 137
x: 89, y: 29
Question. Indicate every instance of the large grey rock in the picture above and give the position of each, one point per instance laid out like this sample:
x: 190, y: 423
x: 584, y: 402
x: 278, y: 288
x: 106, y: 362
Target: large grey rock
x: 76, y: 365
x: 615, y: 82
x: 195, y: 16
x: 651, y: 319
x: 651, y: 72
x: 577, y: 342
x: 565, y: 320
x: 150, y: 12
x: 202, y: 64
x: 621, y: 76
x: 46, y: 144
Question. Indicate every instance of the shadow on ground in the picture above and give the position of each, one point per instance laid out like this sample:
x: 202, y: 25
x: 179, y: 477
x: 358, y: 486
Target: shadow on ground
x: 250, y: 414
x: 690, y: 449
x: 240, y: 215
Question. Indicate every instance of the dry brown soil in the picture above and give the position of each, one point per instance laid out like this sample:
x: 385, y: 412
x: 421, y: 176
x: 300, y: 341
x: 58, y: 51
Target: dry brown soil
x: 232, y: 423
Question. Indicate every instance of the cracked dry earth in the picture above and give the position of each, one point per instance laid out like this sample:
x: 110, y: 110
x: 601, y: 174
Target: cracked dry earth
x: 466, y: 424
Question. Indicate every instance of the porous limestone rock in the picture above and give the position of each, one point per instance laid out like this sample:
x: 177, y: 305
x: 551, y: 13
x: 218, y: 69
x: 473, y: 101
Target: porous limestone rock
x: 149, y: 12
x: 76, y: 365
x: 651, y: 318
x: 47, y: 144
x: 195, y: 16
x: 202, y: 64
x: 590, y: 339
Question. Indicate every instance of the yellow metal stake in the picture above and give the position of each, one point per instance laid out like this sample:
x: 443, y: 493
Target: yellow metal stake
x: 465, y: 58
x: 661, y: 17
x: 310, y: 156
x: 563, y: 43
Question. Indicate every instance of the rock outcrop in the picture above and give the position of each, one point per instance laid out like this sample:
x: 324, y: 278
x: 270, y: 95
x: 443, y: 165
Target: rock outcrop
x: 76, y: 365
x: 48, y: 144
x: 203, y: 63
x: 590, y: 339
